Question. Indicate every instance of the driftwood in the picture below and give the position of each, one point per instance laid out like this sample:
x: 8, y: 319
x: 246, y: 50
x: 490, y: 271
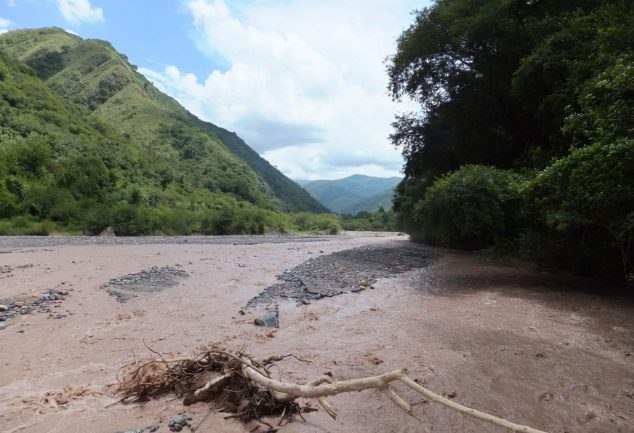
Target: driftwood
x: 239, y: 384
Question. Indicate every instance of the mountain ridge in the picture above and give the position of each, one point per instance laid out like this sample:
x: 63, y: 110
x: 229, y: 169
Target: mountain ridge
x: 354, y: 193
x: 94, y: 75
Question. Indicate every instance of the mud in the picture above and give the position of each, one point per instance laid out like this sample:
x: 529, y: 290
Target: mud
x: 543, y: 349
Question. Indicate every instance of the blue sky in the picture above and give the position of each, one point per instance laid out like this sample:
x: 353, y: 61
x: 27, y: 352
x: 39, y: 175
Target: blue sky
x: 292, y: 77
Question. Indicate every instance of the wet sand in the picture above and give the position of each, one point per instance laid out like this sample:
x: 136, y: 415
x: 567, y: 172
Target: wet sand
x: 537, y: 348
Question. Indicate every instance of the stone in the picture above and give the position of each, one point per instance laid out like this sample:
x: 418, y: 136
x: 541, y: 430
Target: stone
x: 4, y: 308
x: 268, y: 320
x: 108, y: 232
x: 177, y: 423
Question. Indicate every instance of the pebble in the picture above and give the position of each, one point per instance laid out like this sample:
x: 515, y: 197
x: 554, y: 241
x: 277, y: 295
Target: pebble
x: 3, y: 308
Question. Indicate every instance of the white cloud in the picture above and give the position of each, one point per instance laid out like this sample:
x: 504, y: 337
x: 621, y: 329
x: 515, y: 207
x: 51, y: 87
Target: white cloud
x: 306, y: 85
x: 79, y: 11
x: 4, y: 23
x: 71, y: 32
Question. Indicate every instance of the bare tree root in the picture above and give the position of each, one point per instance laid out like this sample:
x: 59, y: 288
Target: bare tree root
x: 241, y: 385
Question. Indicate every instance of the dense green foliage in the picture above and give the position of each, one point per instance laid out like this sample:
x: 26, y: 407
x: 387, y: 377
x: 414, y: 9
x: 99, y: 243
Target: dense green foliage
x: 582, y: 207
x: 354, y: 194
x: 380, y: 220
x: 469, y: 208
x: 166, y: 145
x: 543, y: 89
x: 96, y: 145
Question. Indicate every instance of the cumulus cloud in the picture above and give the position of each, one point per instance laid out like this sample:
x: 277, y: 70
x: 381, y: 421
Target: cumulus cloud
x: 306, y: 85
x: 4, y: 23
x: 79, y: 11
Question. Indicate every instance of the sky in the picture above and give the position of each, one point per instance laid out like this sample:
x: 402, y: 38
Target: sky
x: 303, y: 82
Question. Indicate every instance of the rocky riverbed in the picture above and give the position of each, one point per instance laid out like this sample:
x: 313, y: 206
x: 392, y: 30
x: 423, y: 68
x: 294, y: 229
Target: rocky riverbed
x: 345, y: 271
x: 538, y: 348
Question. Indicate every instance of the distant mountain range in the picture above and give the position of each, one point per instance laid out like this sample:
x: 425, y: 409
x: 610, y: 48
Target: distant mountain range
x: 353, y: 194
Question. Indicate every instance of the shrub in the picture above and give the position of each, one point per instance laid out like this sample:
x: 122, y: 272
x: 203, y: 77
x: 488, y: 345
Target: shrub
x: 582, y: 210
x: 306, y: 221
x: 470, y: 208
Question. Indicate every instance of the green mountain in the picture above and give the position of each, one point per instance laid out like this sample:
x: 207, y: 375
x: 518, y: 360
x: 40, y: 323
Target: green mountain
x: 372, y: 203
x: 168, y: 148
x: 355, y: 193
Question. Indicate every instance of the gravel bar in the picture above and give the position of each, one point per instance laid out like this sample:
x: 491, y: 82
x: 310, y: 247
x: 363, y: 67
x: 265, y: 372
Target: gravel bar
x: 54, y: 241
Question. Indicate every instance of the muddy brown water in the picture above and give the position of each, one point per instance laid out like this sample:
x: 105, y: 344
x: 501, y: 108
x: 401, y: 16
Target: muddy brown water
x: 543, y: 349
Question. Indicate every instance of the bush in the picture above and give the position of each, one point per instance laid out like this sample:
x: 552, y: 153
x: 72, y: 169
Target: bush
x: 582, y: 211
x: 310, y: 222
x: 470, y: 208
x: 370, y: 221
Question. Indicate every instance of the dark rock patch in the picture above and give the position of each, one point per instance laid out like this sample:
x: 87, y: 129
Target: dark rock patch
x: 149, y: 280
x: 345, y: 271
x: 45, y: 302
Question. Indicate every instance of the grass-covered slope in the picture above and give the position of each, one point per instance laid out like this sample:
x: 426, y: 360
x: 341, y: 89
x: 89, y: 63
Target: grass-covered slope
x: 372, y: 203
x: 180, y: 147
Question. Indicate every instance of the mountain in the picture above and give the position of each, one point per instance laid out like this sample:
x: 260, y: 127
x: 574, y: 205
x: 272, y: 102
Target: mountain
x: 166, y: 147
x: 355, y: 193
x: 371, y: 204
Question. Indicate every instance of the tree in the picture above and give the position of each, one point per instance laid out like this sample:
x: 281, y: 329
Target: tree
x: 525, y: 86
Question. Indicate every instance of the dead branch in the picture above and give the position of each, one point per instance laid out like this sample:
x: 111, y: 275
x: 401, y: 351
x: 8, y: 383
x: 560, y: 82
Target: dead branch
x: 249, y: 392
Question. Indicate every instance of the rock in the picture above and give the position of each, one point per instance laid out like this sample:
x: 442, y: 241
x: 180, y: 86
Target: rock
x: 4, y: 308
x: 108, y: 232
x: 268, y: 320
x: 177, y: 423
x: 152, y: 428
x: 305, y: 302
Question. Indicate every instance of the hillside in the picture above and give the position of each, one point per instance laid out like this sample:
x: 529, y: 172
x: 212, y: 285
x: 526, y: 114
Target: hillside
x: 355, y: 193
x: 176, y: 146
x: 372, y: 203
